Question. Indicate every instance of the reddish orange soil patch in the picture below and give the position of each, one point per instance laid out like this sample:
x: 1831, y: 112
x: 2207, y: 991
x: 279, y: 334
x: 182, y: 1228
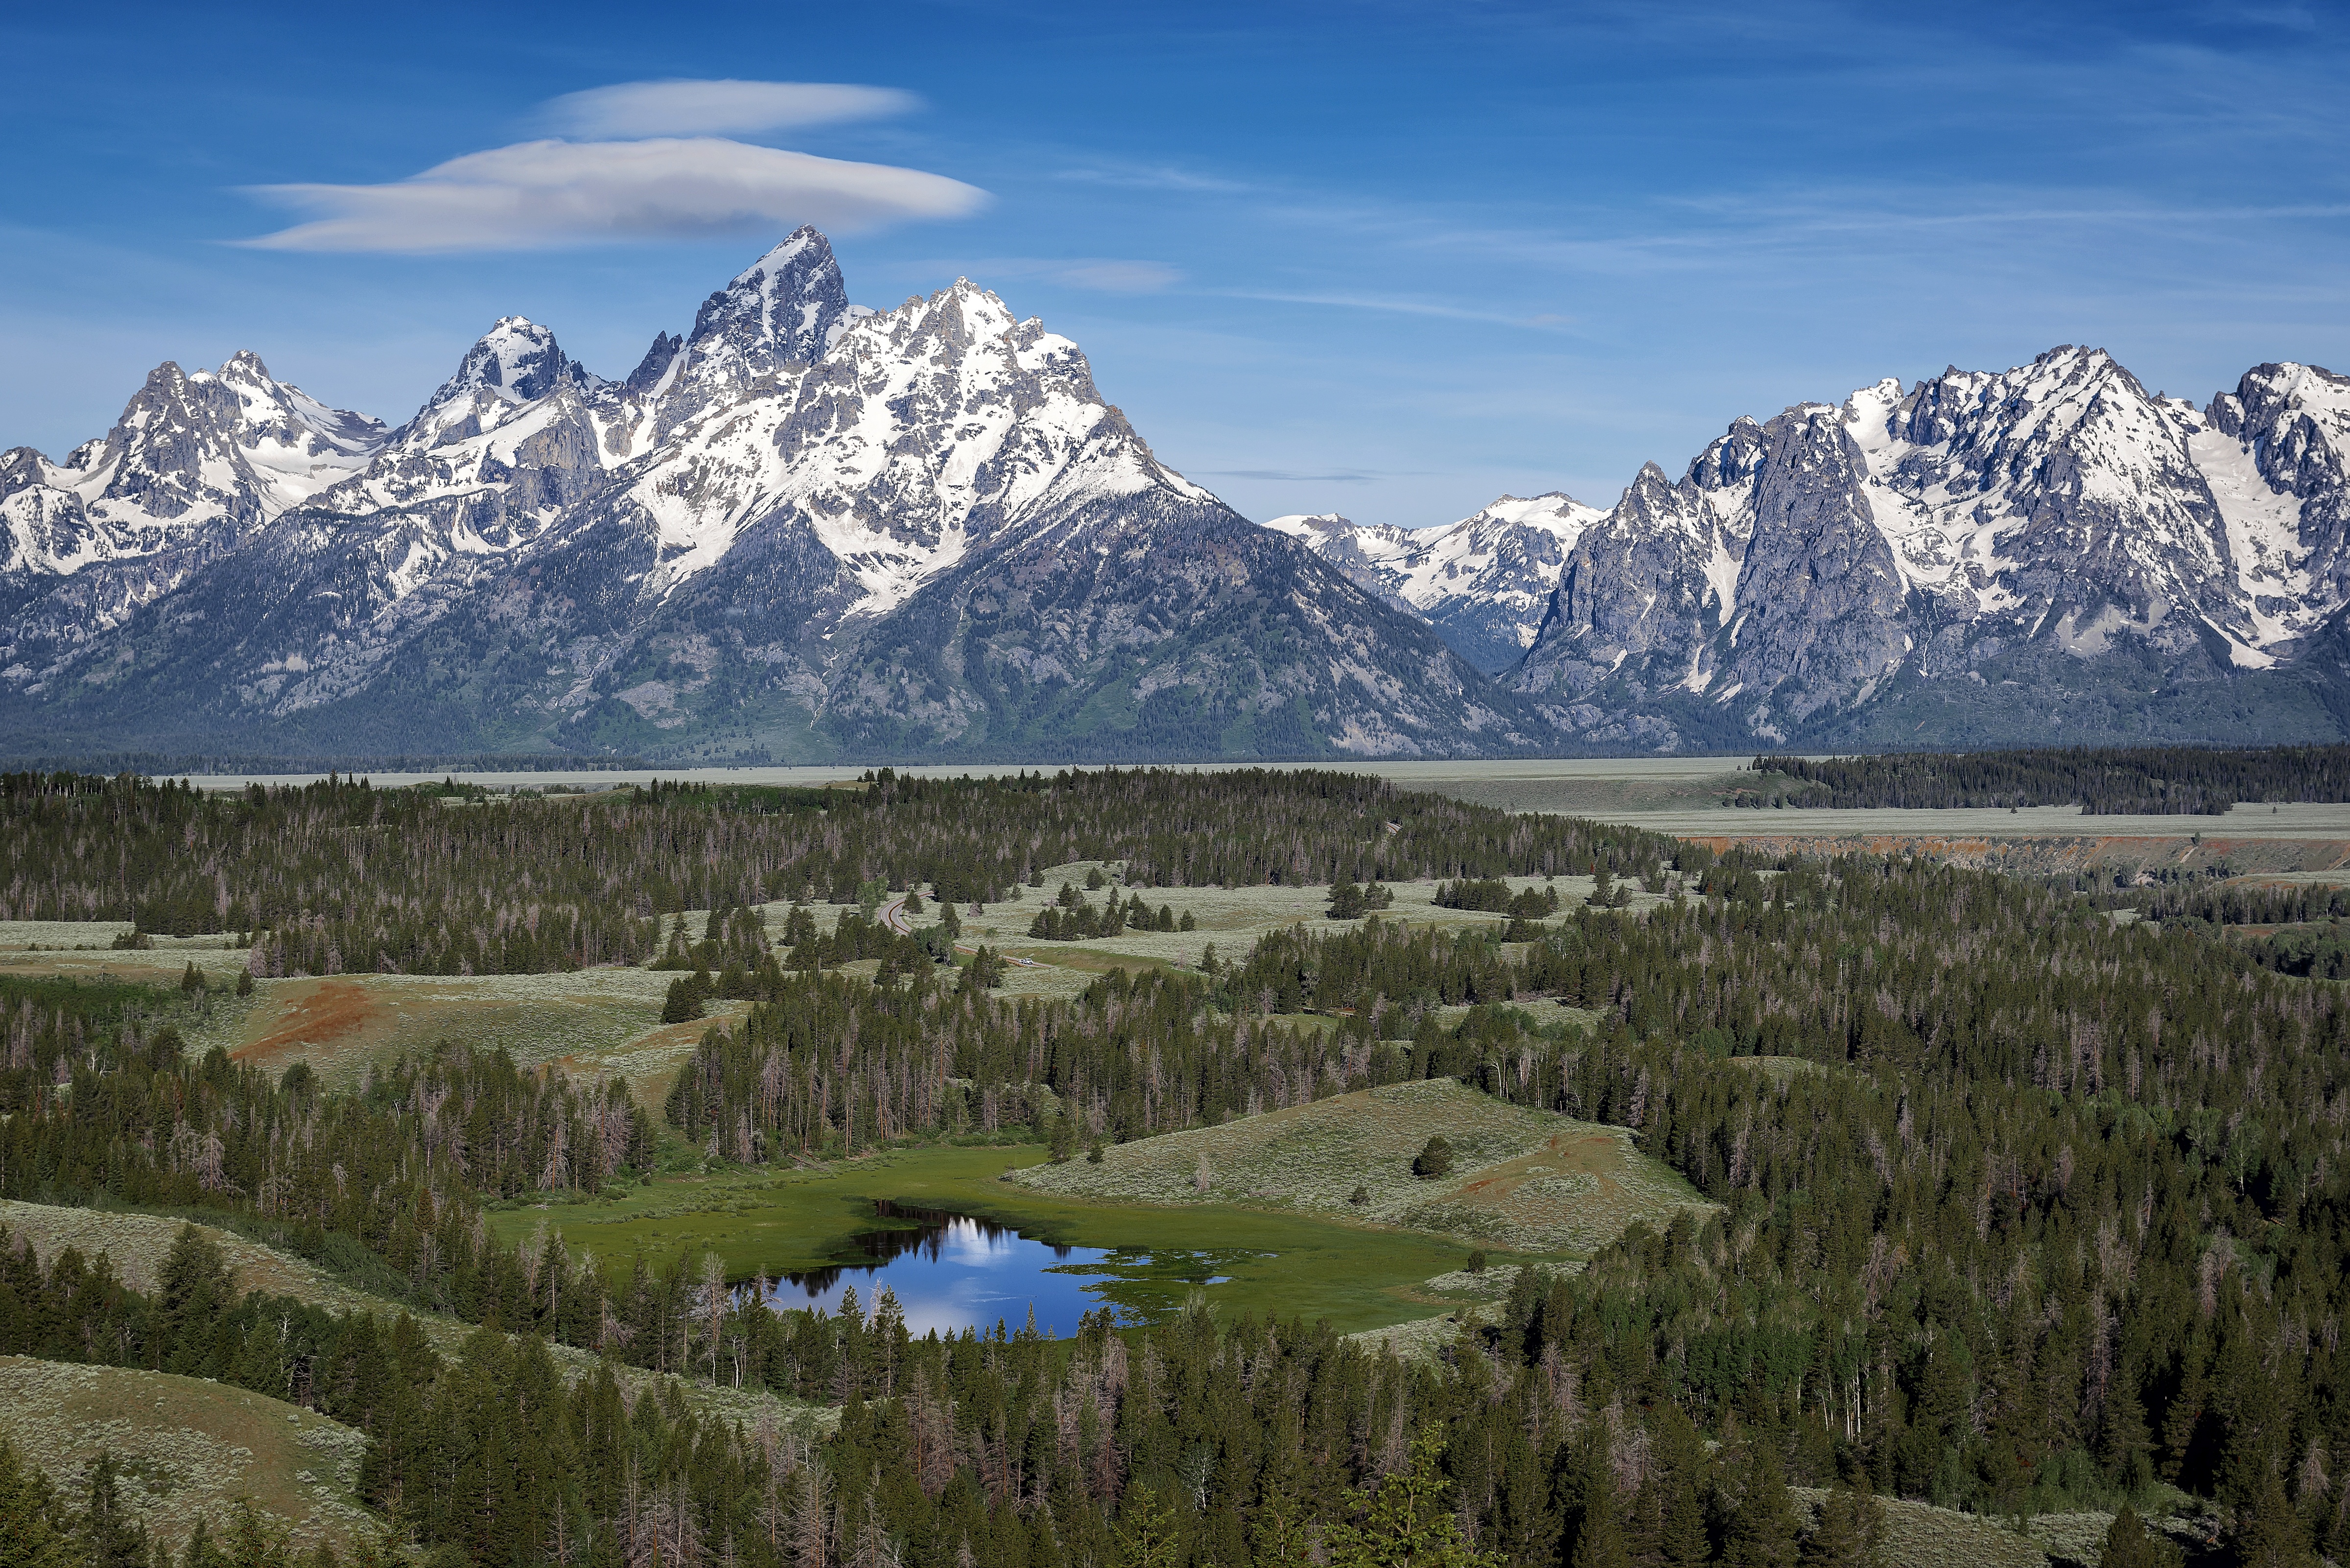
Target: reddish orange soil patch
x: 1597, y: 1155
x: 317, y: 1015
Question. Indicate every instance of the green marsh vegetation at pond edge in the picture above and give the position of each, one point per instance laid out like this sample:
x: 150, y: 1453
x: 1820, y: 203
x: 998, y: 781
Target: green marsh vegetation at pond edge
x: 778, y: 1222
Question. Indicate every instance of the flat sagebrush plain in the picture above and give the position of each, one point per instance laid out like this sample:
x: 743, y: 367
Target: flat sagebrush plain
x: 1523, y: 1180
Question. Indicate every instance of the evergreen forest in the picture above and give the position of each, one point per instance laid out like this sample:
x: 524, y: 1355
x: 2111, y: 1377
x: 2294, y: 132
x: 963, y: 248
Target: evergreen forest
x: 2158, y: 781
x: 2013, y: 1205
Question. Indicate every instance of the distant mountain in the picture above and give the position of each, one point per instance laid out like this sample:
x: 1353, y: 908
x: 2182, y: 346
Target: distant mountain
x: 2050, y: 553
x: 803, y: 529
x: 1483, y: 582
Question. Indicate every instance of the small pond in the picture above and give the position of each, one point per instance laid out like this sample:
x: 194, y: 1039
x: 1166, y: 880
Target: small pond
x: 949, y: 1272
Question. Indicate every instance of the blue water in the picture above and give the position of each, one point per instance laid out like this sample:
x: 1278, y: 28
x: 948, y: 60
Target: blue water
x: 954, y: 1273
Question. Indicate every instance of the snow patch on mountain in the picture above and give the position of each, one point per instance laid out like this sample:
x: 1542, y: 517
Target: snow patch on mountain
x: 1483, y: 582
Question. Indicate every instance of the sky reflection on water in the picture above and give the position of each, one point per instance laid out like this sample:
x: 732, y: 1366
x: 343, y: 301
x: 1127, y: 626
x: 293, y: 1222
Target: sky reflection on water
x: 956, y: 1273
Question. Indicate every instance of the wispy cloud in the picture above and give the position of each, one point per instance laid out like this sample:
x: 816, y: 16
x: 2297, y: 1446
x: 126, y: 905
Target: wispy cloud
x: 1104, y: 275
x: 1545, y: 321
x: 543, y: 194
x: 728, y: 108
x: 1292, y: 476
x: 1153, y: 177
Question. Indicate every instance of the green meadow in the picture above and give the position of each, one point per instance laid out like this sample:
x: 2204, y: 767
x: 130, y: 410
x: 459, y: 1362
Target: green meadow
x: 1358, y: 1277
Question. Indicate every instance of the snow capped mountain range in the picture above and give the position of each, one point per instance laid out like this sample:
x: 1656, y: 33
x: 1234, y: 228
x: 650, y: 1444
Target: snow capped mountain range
x: 801, y: 529
x: 807, y: 530
x: 1981, y: 558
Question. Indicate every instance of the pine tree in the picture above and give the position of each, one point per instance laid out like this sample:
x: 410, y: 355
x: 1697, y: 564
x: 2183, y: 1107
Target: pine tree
x: 1599, y: 1532
x: 254, y: 1543
x: 2273, y: 1536
x: 29, y: 1533
x: 110, y: 1538
x: 1851, y: 1525
x: 1146, y: 1532
x: 1408, y: 1525
x: 2128, y: 1545
x: 1762, y: 1533
x: 195, y: 1288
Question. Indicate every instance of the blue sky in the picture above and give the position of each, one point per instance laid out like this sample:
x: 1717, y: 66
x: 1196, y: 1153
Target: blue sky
x: 1391, y: 260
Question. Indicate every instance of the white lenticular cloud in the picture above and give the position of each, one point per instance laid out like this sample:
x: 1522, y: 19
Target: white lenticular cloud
x: 540, y: 194
x: 718, y: 107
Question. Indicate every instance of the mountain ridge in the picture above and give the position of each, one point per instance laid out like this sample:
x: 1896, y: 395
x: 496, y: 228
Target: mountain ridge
x: 801, y: 529
x: 804, y: 530
x: 1984, y: 557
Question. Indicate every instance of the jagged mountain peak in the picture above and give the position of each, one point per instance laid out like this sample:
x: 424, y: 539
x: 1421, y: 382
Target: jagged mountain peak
x: 1554, y: 512
x: 519, y: 358
x: 786, y: 309
x: 654, y: 366
x: 518, y: 363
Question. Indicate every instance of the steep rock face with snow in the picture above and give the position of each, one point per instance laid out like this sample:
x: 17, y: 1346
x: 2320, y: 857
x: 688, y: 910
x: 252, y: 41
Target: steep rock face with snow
x: 196, y: 463
x: 1482, y: 583
x: 798, y: 530
x: 2050, y: 552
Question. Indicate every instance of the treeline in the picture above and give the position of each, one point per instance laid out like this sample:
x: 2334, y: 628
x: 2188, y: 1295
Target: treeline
x: 158, y: 764
x: 2245, y: 903
x: 2153, y: 781
x: 335, y: 875
x: 837, y: 1066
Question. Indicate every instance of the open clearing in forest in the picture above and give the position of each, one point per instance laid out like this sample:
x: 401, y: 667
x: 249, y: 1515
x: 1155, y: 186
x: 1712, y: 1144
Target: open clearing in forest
x: 782, y: 1221
x: 187, y: 1447
x: 1521, y: 1178
x: 1231, y: 918
x: 606, y: 1021
x: 1920, y: 1535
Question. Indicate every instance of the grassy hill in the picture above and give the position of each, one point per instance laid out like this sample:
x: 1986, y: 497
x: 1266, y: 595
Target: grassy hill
x: 188, y: 1448
x: 1522, y: 1179
x: 138, y: 1243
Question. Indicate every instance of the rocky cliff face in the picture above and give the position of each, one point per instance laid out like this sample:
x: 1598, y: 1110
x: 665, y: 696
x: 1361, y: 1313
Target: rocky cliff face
x: 2047, y: 552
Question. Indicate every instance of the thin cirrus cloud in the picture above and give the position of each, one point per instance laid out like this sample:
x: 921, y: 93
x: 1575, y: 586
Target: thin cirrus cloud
x: 1103, y: 274
x: 542, y: 194
x: 633, y: 109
